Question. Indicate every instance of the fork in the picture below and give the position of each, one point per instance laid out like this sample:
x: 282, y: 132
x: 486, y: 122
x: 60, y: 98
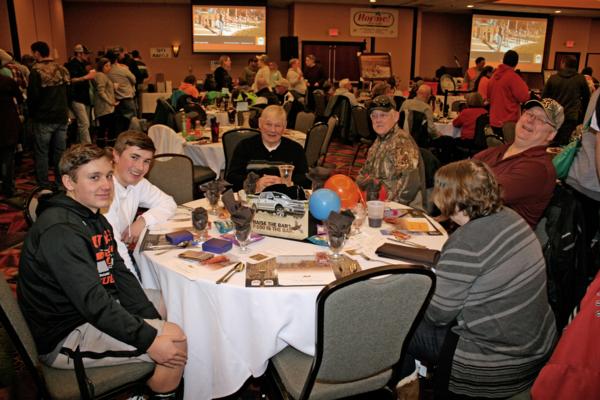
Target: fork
x: 227, y: 274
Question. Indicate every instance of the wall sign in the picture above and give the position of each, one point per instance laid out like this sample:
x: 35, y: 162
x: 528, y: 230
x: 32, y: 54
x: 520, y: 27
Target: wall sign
x: 160, y: 52
x: 373, y: 22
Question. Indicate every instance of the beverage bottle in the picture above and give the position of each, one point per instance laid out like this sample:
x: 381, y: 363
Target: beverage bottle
x: 214, y: 130
x: 183, y: 123
x: 197, y: 130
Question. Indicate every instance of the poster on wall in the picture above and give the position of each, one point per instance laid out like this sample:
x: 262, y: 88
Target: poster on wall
x: 373, y: 22
x: 160, y: 52
x: 374, y: 66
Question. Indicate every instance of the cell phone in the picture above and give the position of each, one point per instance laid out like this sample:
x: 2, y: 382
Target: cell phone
x: 435, y: 233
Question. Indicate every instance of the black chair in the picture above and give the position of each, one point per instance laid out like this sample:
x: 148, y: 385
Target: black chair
x: 165, y: 114
x: 416, y: 124
x: 362, y: 129
x: 341, y: 108
x: 331, y: 125
x: 33, y: 200
x: 62, y: 384
x: 230, y: 141
x: 364, y: 323
x: 320, y: 104
x: 314, y: 142
x: 304, y: 121
x: 468, y: 148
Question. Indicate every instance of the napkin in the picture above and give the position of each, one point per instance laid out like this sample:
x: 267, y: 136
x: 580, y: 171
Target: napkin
x: 241, y: 216
x: 405, y: 253
x: 318, y: 176
x: 214, y: 188
x: 199, y: 218
x: 249, y: 185
x: 339, y: 224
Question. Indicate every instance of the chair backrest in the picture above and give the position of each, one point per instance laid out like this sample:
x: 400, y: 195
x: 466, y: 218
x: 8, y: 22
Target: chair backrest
x: 365, y: 321
x: 458, y: 105
x: 314, y: 142
x: 15, y: 325
x: 165, y: 114
x: 230, y: 141
x: 340, y: 107
x: 319, y: 99
x: 32, y: 202
x: 417, y: 122
x: 479, y: 141
x: 399, y: 101
x: 331, y: 125
x: 304, y: 121
x: 166, y: 140
x: 361, y: 126
x: 174, y: 175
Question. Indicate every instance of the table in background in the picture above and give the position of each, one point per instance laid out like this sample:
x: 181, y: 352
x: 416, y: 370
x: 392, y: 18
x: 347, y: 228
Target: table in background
x: 233, y: 330
x: 212, y: 155
x: 445, y: 128
x: 148, y: 101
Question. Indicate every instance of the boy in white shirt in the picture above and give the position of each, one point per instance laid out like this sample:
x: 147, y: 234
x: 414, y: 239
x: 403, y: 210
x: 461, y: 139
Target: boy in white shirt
x: 133, y: 153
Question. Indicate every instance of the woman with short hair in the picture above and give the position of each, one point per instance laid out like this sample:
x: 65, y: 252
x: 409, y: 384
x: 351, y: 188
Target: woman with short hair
x: 490, y: 291
x: 104, y: 104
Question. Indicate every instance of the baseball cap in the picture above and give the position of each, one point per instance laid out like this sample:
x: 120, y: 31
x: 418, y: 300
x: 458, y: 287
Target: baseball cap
x: 283, y: 82
x: 554, y: 111
x: 79, y: 48
x: 383, y: 103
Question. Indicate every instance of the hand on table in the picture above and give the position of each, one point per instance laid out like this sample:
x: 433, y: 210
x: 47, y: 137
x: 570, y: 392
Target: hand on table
x: 164, y: 351
x: 132, y: 233
x: 267, y: 180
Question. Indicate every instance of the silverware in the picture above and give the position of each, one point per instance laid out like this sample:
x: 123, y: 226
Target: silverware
x: 169, y: 247
x: 231, y: 271
x: 408, y: 242
x: 185, y: 207
x: 238, y: 268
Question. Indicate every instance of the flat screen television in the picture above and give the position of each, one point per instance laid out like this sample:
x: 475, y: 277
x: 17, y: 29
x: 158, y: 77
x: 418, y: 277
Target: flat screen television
x: 494, y: 35
x: 229, y: 28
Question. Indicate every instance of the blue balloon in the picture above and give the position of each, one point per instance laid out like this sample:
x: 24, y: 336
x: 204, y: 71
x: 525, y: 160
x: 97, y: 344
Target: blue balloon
x: 322, y: 202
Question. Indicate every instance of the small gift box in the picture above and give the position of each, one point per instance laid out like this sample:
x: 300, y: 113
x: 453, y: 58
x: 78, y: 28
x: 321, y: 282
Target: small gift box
x: 179, y: 236
x: 217, y: 245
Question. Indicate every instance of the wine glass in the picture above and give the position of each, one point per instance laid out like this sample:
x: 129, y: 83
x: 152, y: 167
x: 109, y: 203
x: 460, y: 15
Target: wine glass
x: 231, y: 116
x: 336, y: 241
x: 360, y: 213
x: 242, y: 235
x: 200, y: 221
x: 218, y: 102
x: 213, y: 199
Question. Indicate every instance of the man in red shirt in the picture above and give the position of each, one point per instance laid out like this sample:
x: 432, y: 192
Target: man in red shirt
x: 506, y: 92
x: 523, y: 168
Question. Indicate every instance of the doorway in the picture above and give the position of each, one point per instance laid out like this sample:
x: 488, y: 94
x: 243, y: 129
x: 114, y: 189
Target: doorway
x: 560, y: 56
x: 338, y: 59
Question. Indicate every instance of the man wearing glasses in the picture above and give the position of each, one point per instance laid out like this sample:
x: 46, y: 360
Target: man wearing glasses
x: 523, y: 168
x: 394, y: 158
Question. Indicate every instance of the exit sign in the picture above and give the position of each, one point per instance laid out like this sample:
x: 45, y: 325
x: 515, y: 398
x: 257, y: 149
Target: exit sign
x: 334, y: 32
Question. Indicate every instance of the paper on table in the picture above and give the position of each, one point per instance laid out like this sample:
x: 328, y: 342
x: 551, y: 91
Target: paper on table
x: 305, y: 277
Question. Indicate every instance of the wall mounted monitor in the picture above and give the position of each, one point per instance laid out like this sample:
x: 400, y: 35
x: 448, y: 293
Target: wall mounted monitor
x: 229, y: 28
x: 494, y: 35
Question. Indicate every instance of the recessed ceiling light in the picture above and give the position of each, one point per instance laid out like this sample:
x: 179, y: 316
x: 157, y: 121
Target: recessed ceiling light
x: 372, y: 1
x: 470, y: 6
x: 557, y: 11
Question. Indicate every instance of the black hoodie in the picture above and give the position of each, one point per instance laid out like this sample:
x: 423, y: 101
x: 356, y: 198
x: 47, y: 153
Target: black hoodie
x: 571, y: 91
x: 71, y: 273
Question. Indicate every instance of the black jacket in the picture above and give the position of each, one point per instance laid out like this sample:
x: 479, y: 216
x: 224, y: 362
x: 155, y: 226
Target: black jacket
x: 570, y: 89
x: 71, y: 273
x: 223, y: 79
x: 47, y: 92
x: 79, y: 91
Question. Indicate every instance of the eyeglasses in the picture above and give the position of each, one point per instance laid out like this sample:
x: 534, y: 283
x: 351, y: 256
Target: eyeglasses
x: 540, y: 120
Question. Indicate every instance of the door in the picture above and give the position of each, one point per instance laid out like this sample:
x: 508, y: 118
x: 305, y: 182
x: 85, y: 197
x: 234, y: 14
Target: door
x: 559, y: 56
x: 338, y: 59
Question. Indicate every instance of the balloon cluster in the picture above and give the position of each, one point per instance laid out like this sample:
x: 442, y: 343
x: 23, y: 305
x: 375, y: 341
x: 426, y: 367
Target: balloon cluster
x: 339, y: 192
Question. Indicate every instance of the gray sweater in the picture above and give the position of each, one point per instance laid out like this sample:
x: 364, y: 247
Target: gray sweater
x: 122, y: 76
x: 105, y: 95
x: 491, y: 278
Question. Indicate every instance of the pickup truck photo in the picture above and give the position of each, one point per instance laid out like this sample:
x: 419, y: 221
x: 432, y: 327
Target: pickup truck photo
x: 277, y: 203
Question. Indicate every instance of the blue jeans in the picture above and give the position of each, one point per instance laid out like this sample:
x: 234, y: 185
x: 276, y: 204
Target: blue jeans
x: 82, y: 113
x: 48, y: 136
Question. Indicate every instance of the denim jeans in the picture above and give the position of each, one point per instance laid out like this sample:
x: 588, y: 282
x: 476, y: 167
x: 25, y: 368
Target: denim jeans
x: 82, y: 113
x: 48, y: 136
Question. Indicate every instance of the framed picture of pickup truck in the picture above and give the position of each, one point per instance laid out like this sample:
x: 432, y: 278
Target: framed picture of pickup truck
x: 279, y: 215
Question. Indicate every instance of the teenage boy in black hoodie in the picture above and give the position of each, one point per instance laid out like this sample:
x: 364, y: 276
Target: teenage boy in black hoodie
x: 74, y: 289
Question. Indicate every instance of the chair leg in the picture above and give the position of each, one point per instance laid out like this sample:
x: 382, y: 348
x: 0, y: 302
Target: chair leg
x: 355, y: 155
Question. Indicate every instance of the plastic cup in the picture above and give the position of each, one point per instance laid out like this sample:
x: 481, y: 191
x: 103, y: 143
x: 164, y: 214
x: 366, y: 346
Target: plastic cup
x: 285, y: 172
x: 375, y: 210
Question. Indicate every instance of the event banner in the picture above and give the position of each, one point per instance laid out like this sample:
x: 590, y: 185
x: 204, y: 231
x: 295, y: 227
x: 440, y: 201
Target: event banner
x: 373, y: 22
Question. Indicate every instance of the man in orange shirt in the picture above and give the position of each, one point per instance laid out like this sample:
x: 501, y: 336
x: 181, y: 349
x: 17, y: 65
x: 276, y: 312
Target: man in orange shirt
x: 473, y: 73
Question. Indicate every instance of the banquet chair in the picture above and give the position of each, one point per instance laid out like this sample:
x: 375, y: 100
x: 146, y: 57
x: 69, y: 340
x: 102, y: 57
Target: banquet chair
x: 165, y: 114
x: 364, y: 323
x: 340, y: 107
x: 314, y: 142
x: 63, y: 384
x: 304, y: 121
x: 165, y: 139
x: 361, y: 126
x: 320, y: 104
x: 174, y: 175
x: 32, y: 202
x: 331, y: 125
x: 230, y: 141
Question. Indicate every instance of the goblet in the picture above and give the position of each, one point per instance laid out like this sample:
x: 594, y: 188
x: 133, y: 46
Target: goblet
x: 360, y: 213
x: 242, y: 235
x: 199, y: 221
x: 336, y: 241
x: 213, y: 199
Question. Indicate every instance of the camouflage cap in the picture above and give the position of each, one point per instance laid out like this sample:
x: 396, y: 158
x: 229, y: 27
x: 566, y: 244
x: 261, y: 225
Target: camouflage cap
x: 383, y: 103
x: 554, y: 111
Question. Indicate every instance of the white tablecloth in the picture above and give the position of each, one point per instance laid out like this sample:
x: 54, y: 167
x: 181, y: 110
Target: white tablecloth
x: 447, y: 129
x: 232, y: 330
x: 148, y: 101
x: 212, y: 155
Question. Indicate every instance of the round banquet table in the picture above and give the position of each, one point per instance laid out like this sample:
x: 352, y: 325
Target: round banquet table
x: 233, y: 330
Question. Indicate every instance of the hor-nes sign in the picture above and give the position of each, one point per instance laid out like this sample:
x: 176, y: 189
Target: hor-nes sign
x: 375, y: 22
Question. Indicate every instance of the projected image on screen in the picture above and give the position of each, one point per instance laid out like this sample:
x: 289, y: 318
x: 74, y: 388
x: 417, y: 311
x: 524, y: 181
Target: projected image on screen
x: 229, y: 29
x: 492, y: 36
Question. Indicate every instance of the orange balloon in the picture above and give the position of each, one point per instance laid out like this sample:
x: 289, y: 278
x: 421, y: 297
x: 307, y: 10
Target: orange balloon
x: 346, y: 189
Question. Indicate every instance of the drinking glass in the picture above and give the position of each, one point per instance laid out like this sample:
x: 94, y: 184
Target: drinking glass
x: 231, y: 115
x: 285, y: 172
x: 360, y: 213
x: 242, y: 235
x: 213, y: 200
x: 336, y: 243
x: 219, y: 101
x: 200, y: 221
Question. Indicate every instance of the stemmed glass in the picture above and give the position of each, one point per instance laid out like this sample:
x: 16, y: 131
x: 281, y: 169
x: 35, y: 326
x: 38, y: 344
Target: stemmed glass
x: 242, y: 235
x: 360, y: 213
x: 200, y: 221
x: 336, y: 243
x: 213, y: 199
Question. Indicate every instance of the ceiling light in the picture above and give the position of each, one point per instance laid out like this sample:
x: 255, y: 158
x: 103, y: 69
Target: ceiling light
x: 372, y: 1
x: 470, y: 6
x: 557, y: 11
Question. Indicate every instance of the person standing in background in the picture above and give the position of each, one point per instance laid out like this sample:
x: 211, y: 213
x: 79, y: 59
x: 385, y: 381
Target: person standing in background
x: 79, y: 94
x: 222, y: 76
x: 473, y: 73
x: 482, y: 82
x: 104, y: 106
x: 124, y: 81
x: 250, y: 71
x: 10, y: 126
x: 295, y: 77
